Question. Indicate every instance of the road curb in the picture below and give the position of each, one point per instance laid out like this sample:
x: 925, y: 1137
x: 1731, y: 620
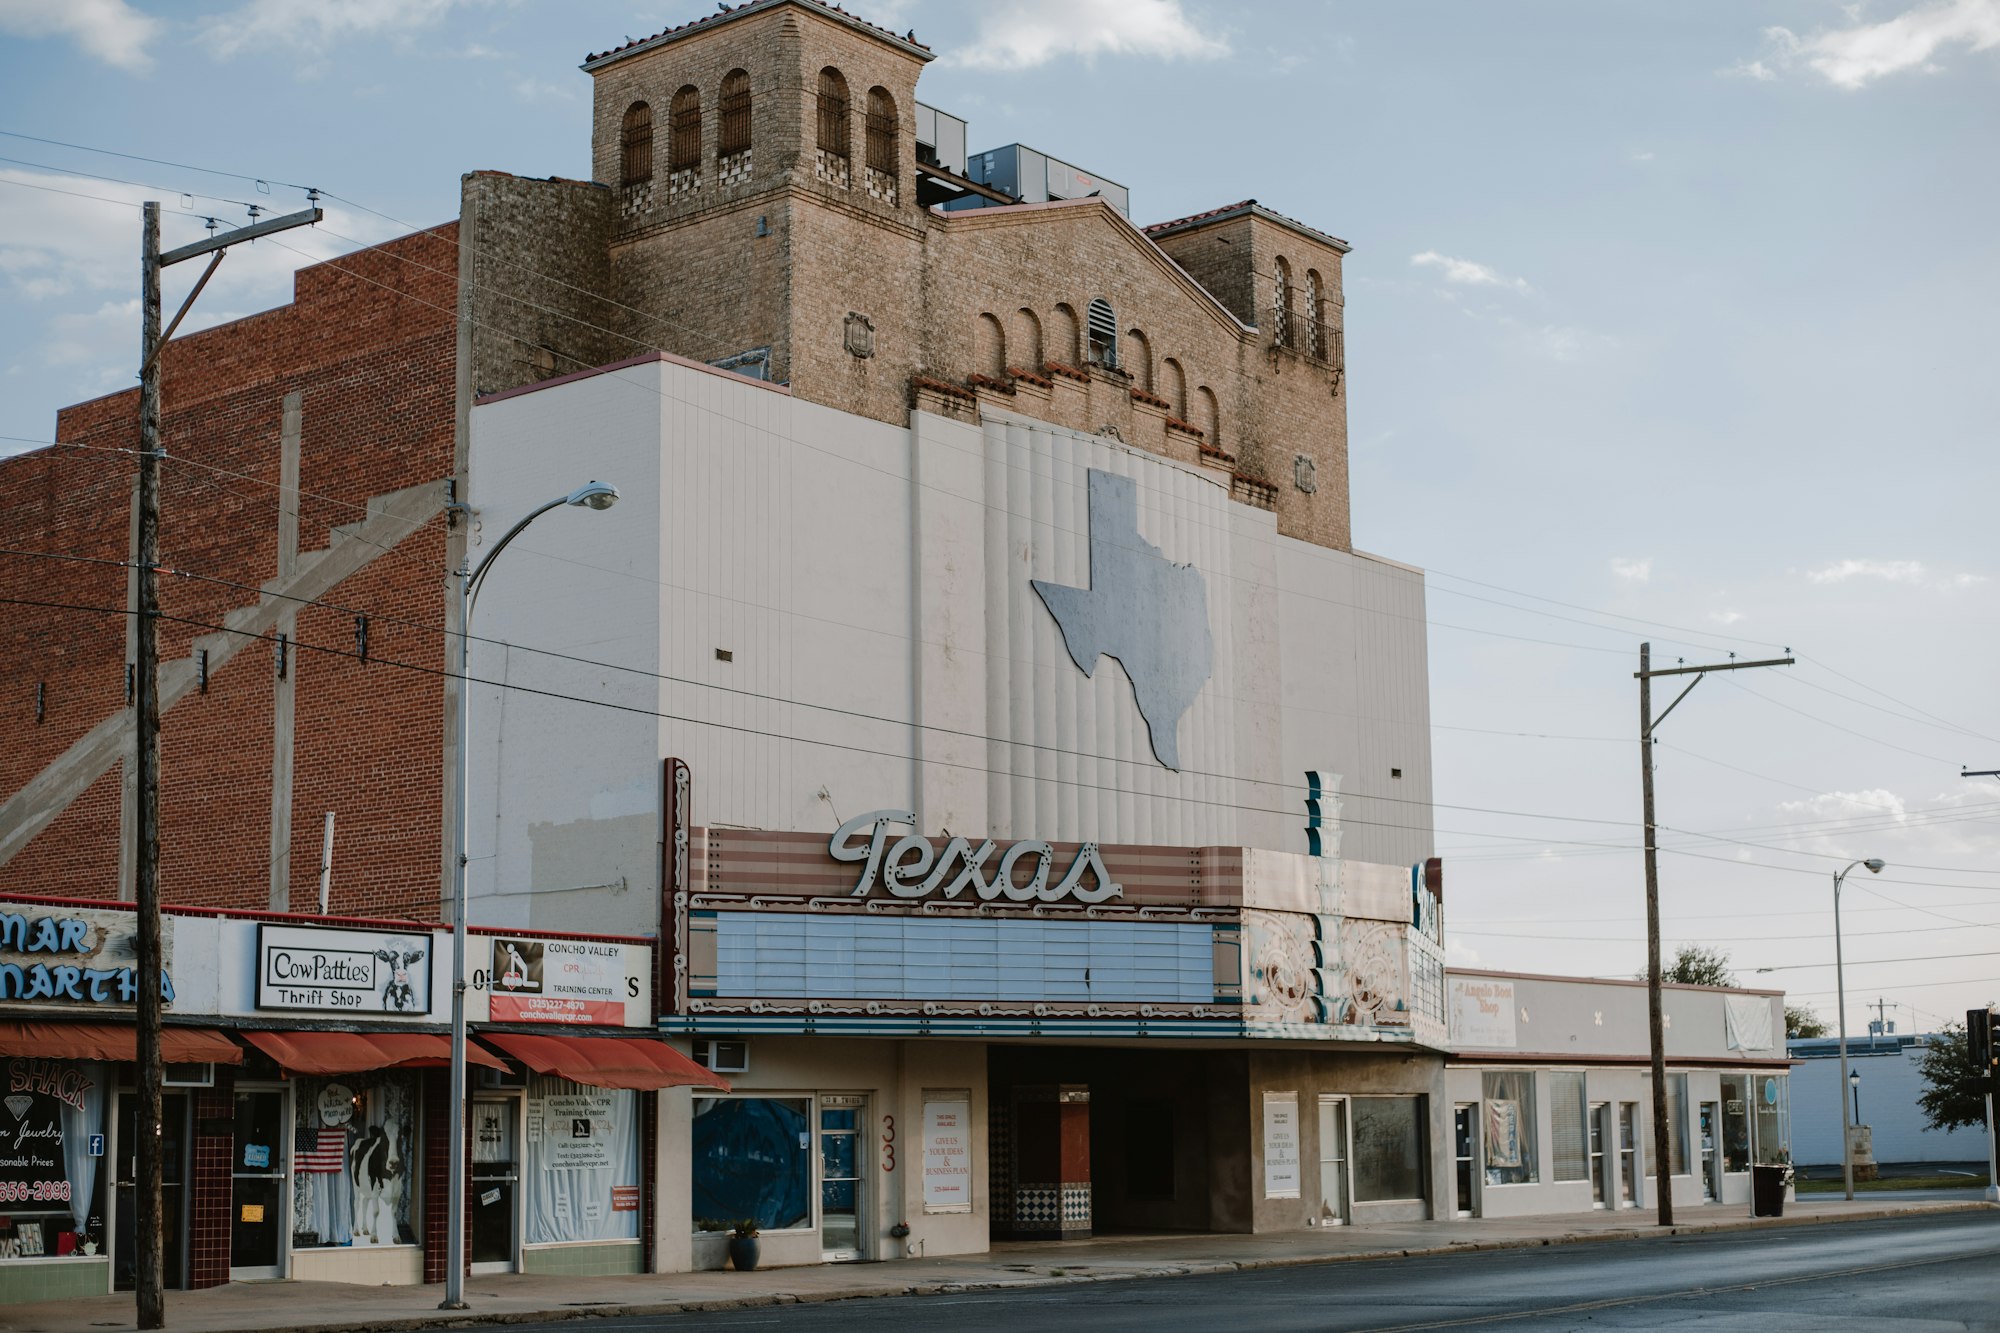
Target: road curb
x: 1080, y: 1274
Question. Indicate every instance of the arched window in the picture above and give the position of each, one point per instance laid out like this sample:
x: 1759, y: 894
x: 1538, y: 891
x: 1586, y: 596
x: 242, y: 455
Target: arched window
x: 1139, y: 359
x: 1026, y: 335
x: 1103, y: 334
x: 1281, y: 306
x: 1208, y: 416
x: 684, y: 131
x: 989, y: 348
x: 1061, y: 342
x: 832, y: 112
x: 636, y: 144
x: 1173, y: 387
x: 1315, y: 315
x: 882, y: 132
x: 734, y: 109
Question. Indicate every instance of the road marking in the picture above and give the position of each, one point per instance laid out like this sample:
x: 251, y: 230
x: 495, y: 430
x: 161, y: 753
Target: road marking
x: 1613, y: 1303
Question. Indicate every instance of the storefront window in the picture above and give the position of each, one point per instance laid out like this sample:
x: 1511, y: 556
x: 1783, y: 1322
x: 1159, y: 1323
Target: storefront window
x: 583, y: 1162
x: 1388, y: 1148
x: 354, y: 1142
x: 1677, y: 1130
x: 48, y: 1169
x: 1735, y: 1122
x: 1569, y: 1114
x: 1774, y: 1118
x: 1510, y: 1128
x: 752, y: 1159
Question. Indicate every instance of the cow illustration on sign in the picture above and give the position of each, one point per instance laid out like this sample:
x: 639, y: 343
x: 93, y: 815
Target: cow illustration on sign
x: 397, y: 992
x: 1141, y: 608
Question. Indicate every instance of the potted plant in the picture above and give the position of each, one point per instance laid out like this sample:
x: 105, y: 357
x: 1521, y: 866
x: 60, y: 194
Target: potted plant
x: 743, y: 1245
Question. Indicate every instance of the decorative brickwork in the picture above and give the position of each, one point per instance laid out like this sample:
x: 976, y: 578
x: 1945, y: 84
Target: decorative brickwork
x: 210, y: 1206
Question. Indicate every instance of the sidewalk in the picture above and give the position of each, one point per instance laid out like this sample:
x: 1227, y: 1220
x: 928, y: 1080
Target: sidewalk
x: 326, y: 1307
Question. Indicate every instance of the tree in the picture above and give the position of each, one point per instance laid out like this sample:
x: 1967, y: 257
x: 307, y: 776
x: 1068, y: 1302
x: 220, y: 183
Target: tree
x: 1801, y: 1021
x: 1694, y: 965
x: 1954, y: 1094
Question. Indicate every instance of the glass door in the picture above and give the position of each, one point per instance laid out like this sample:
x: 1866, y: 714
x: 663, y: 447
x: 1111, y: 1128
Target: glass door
x: 1465, y: 1149
x: 1600, y: 1170
x: 1628, y: 1159
x: 1333, y: 1192
x: 496, y: 1184
x: 173, y: 1190
x: 259, y: 1212
x: 1711, y: 1178
x: 840, y: 1121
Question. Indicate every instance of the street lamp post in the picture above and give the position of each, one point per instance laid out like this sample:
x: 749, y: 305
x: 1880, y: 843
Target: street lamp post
x: 593, y: 495
x: 1874, y: 865
x: 1854, y: 1082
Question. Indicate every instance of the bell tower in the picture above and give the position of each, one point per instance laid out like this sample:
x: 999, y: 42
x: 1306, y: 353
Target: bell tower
x: 763, y: 163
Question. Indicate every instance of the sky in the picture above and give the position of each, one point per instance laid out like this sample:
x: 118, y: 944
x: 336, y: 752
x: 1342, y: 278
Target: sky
x: 1666, y: 322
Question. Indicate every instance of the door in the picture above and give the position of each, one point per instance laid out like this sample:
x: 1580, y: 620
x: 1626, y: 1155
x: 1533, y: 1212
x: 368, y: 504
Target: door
x: 1711, y: 1165
x: 1465, y: 1148
x: 1628, y: 1158
x: 258, y: 1207
x: 840, y: 1193
x: 496, y: 1184
x: 1601, y: 1138
x: 173, y: 1189
x: 1333, y: 1188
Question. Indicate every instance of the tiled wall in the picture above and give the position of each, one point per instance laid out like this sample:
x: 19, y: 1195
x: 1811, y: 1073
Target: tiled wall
x: 599, y: 1260
x: 437, y: 1130
x: 208, y: 1213
x: 23, y: 1281
x: 916, y: 958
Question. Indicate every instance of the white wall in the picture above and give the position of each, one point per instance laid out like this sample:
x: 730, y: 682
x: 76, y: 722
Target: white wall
x: 872, y: 585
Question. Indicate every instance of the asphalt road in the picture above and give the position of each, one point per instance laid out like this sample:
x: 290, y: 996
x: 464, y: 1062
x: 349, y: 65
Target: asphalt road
x: 1887, y: 1277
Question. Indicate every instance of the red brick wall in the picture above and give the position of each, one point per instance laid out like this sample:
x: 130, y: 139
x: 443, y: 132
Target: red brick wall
x: 437, y: 1174
x: 209, y: 1217
x: 369, y: 342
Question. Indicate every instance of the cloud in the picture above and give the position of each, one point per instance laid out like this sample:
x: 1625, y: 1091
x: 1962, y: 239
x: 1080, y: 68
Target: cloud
x: 1876, y: 803
x: 1857, y: 55
x: 313, y: 24
x: 532, y: 90
x: 1556, y: 342
x: 1642, y: 157
x: 1893, y: 571
x: 1635, y: 571
x: 110, y: 30
x: 1027, y: 33
x: 1725, y: 617
x: 1468, y: 272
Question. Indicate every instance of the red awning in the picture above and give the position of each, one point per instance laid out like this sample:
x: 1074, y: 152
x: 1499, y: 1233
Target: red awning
x: 607, y: 1062
x: 108, y: 1041
x: 355, y: 1052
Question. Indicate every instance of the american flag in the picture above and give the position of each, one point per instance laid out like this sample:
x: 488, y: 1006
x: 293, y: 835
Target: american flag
x: 326, y: 1157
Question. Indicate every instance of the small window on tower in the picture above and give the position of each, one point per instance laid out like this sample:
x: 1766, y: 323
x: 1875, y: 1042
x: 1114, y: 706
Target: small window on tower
x: 1103, y: 334
x: 638, y: 144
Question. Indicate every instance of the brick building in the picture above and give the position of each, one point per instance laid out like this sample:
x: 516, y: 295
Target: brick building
x: 760, y: 316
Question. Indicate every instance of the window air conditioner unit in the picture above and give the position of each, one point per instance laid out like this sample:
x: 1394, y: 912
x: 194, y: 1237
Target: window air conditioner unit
x: 189, y: 1076
x: 723, y: 1057
x: 501, y: 1078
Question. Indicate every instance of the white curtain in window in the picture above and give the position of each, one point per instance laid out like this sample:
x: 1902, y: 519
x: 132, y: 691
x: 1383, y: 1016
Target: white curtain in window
x: 582, y: 1162
x: 79, y: 1167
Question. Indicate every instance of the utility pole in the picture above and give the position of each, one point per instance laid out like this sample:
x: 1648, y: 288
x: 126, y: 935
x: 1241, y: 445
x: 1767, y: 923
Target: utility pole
x: 149, y: 1274
x: 1992, y: 1143
x: 1655, y: 1015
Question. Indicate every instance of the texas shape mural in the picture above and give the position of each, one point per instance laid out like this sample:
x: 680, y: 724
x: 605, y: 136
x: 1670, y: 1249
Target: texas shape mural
x: 1141, y: 608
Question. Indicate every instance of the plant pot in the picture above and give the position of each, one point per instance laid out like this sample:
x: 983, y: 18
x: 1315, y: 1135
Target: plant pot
x: 743, y: 1253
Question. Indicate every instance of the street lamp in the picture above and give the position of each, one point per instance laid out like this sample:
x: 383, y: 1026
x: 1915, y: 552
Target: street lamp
x: 1854, y: 1082
x: 1874, y: 865
x: 592, y: 495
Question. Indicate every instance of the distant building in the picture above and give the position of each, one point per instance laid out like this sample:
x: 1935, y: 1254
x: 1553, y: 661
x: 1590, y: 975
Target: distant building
x: 1890, y: 1085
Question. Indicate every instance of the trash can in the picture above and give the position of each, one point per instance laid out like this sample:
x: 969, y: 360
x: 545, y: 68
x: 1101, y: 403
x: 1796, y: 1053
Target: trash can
x: 1767, y: 1190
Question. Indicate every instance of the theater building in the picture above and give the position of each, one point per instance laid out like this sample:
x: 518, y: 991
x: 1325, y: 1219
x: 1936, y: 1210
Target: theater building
x: 305, y: 1112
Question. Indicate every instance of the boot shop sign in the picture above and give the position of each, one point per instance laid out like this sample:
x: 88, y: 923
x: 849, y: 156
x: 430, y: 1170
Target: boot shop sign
x: 360, y: 972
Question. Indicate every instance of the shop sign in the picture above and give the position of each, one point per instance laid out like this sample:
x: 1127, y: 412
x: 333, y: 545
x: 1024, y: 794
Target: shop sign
x: 1281, y: 1145
x: 911, y: 867
x: 343, y: 971
x: 31, y: 1129
x: 77, y: 958
x: 578, y: 1130
x: 1482, y: 1013
x: 948, y: 1155
x: 563, y: 981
